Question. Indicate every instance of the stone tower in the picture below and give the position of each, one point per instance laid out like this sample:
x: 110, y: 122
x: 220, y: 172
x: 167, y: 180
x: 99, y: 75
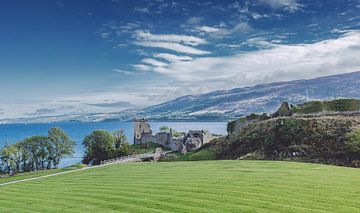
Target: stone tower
x: 141, y: 127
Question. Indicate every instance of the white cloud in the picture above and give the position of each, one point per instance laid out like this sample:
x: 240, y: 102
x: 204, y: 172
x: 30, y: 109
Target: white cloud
x: 261, y: 42
x: 242, y: 27
x: 194, y: 20
x: 207, y: 29
x: 172, y: 46
x: 171, y: 57
x: 177, y: 43
x: 154, y: 62
x: 104, y: 35
x: 184, y: 39
x: 287, y: 5
x: 142, y: 10
x: 279, y: 63
x: 142, y: 67
x: 123, y: 71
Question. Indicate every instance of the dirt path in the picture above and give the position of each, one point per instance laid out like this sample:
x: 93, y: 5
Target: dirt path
x: 61, y: 173
x: 123, y: 160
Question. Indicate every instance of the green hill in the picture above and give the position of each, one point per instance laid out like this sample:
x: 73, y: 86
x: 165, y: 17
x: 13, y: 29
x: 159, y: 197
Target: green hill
x: 201, y: 186
x: 317, y: 131
x: 328, y: 139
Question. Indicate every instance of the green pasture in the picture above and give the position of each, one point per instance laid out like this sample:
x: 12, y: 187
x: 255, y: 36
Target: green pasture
x: 191, y: 186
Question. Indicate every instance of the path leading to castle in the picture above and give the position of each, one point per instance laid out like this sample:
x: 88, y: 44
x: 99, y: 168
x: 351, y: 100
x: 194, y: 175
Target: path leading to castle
x: 62, y: 173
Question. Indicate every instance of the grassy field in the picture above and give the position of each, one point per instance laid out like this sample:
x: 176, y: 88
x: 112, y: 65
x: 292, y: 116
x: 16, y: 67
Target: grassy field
x: 191, y: 186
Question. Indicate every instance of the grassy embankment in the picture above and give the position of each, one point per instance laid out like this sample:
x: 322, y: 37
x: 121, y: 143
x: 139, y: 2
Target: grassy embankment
x: 201, y: 186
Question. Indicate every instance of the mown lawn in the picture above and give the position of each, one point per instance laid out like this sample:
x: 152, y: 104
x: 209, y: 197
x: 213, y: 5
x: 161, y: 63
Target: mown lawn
x: 191, y: 186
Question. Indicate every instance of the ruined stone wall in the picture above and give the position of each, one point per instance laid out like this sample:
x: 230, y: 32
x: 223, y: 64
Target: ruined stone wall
x: 145, y: 137
x: 176, y: 143
x: 192, y: 140
x: 207, y: 137
x: 163, y: 138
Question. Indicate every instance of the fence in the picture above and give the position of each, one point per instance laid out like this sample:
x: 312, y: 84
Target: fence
x: 133, y: 158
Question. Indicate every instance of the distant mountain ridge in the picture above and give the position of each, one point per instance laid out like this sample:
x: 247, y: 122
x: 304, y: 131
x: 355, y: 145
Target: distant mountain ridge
x: 229, y: 104
x: 224, y: 105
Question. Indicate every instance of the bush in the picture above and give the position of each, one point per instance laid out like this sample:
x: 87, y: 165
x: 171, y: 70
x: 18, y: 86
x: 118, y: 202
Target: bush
x: 309, y: 107
x: 342, y: 105
x: 353, y: 141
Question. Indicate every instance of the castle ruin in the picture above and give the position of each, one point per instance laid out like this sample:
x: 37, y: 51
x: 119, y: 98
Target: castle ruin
x: 184, y: 142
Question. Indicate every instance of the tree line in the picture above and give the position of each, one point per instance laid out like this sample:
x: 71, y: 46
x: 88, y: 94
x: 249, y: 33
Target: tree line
x: 36, y: 153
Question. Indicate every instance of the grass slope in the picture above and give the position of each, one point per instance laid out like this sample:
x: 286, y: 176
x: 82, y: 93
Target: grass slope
x: 201, y: 186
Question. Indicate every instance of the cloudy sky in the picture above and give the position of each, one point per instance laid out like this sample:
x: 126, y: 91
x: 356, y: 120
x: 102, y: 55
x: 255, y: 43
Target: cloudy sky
x: 64, y: 56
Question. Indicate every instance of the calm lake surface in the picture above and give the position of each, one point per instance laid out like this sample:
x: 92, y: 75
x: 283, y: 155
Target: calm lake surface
x: 11, y: 133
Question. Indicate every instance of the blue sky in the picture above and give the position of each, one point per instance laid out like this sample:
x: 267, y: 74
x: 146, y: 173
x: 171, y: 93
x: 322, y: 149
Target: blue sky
x: 66, y: 56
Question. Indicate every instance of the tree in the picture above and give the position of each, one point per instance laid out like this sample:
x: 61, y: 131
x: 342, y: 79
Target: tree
x: 121, y: 145
x: 164, y: 129
x: 36, y: 147
x: 8, y: 158
x: 61, y: 145
x: 119, y: 138
x: 99, y: 145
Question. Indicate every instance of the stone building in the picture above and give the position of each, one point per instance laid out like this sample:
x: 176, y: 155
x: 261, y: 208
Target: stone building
x: 183, y: 142
x: 141, y: 129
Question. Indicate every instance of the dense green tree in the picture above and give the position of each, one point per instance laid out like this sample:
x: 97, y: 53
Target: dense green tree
x: 122, y: 147
x: 37, y: 148
x: 99, y: 145
x: 61, y: 145
x: 8, y: 159
x: 119, y: 137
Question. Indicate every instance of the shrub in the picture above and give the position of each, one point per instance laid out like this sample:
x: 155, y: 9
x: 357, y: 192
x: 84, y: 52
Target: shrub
x: 341, y: 105
x: 353, y: 140
x: 309, y: 107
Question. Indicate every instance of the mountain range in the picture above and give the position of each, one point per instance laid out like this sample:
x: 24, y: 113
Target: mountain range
x: 225, y: 105
x: 234, y: 103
